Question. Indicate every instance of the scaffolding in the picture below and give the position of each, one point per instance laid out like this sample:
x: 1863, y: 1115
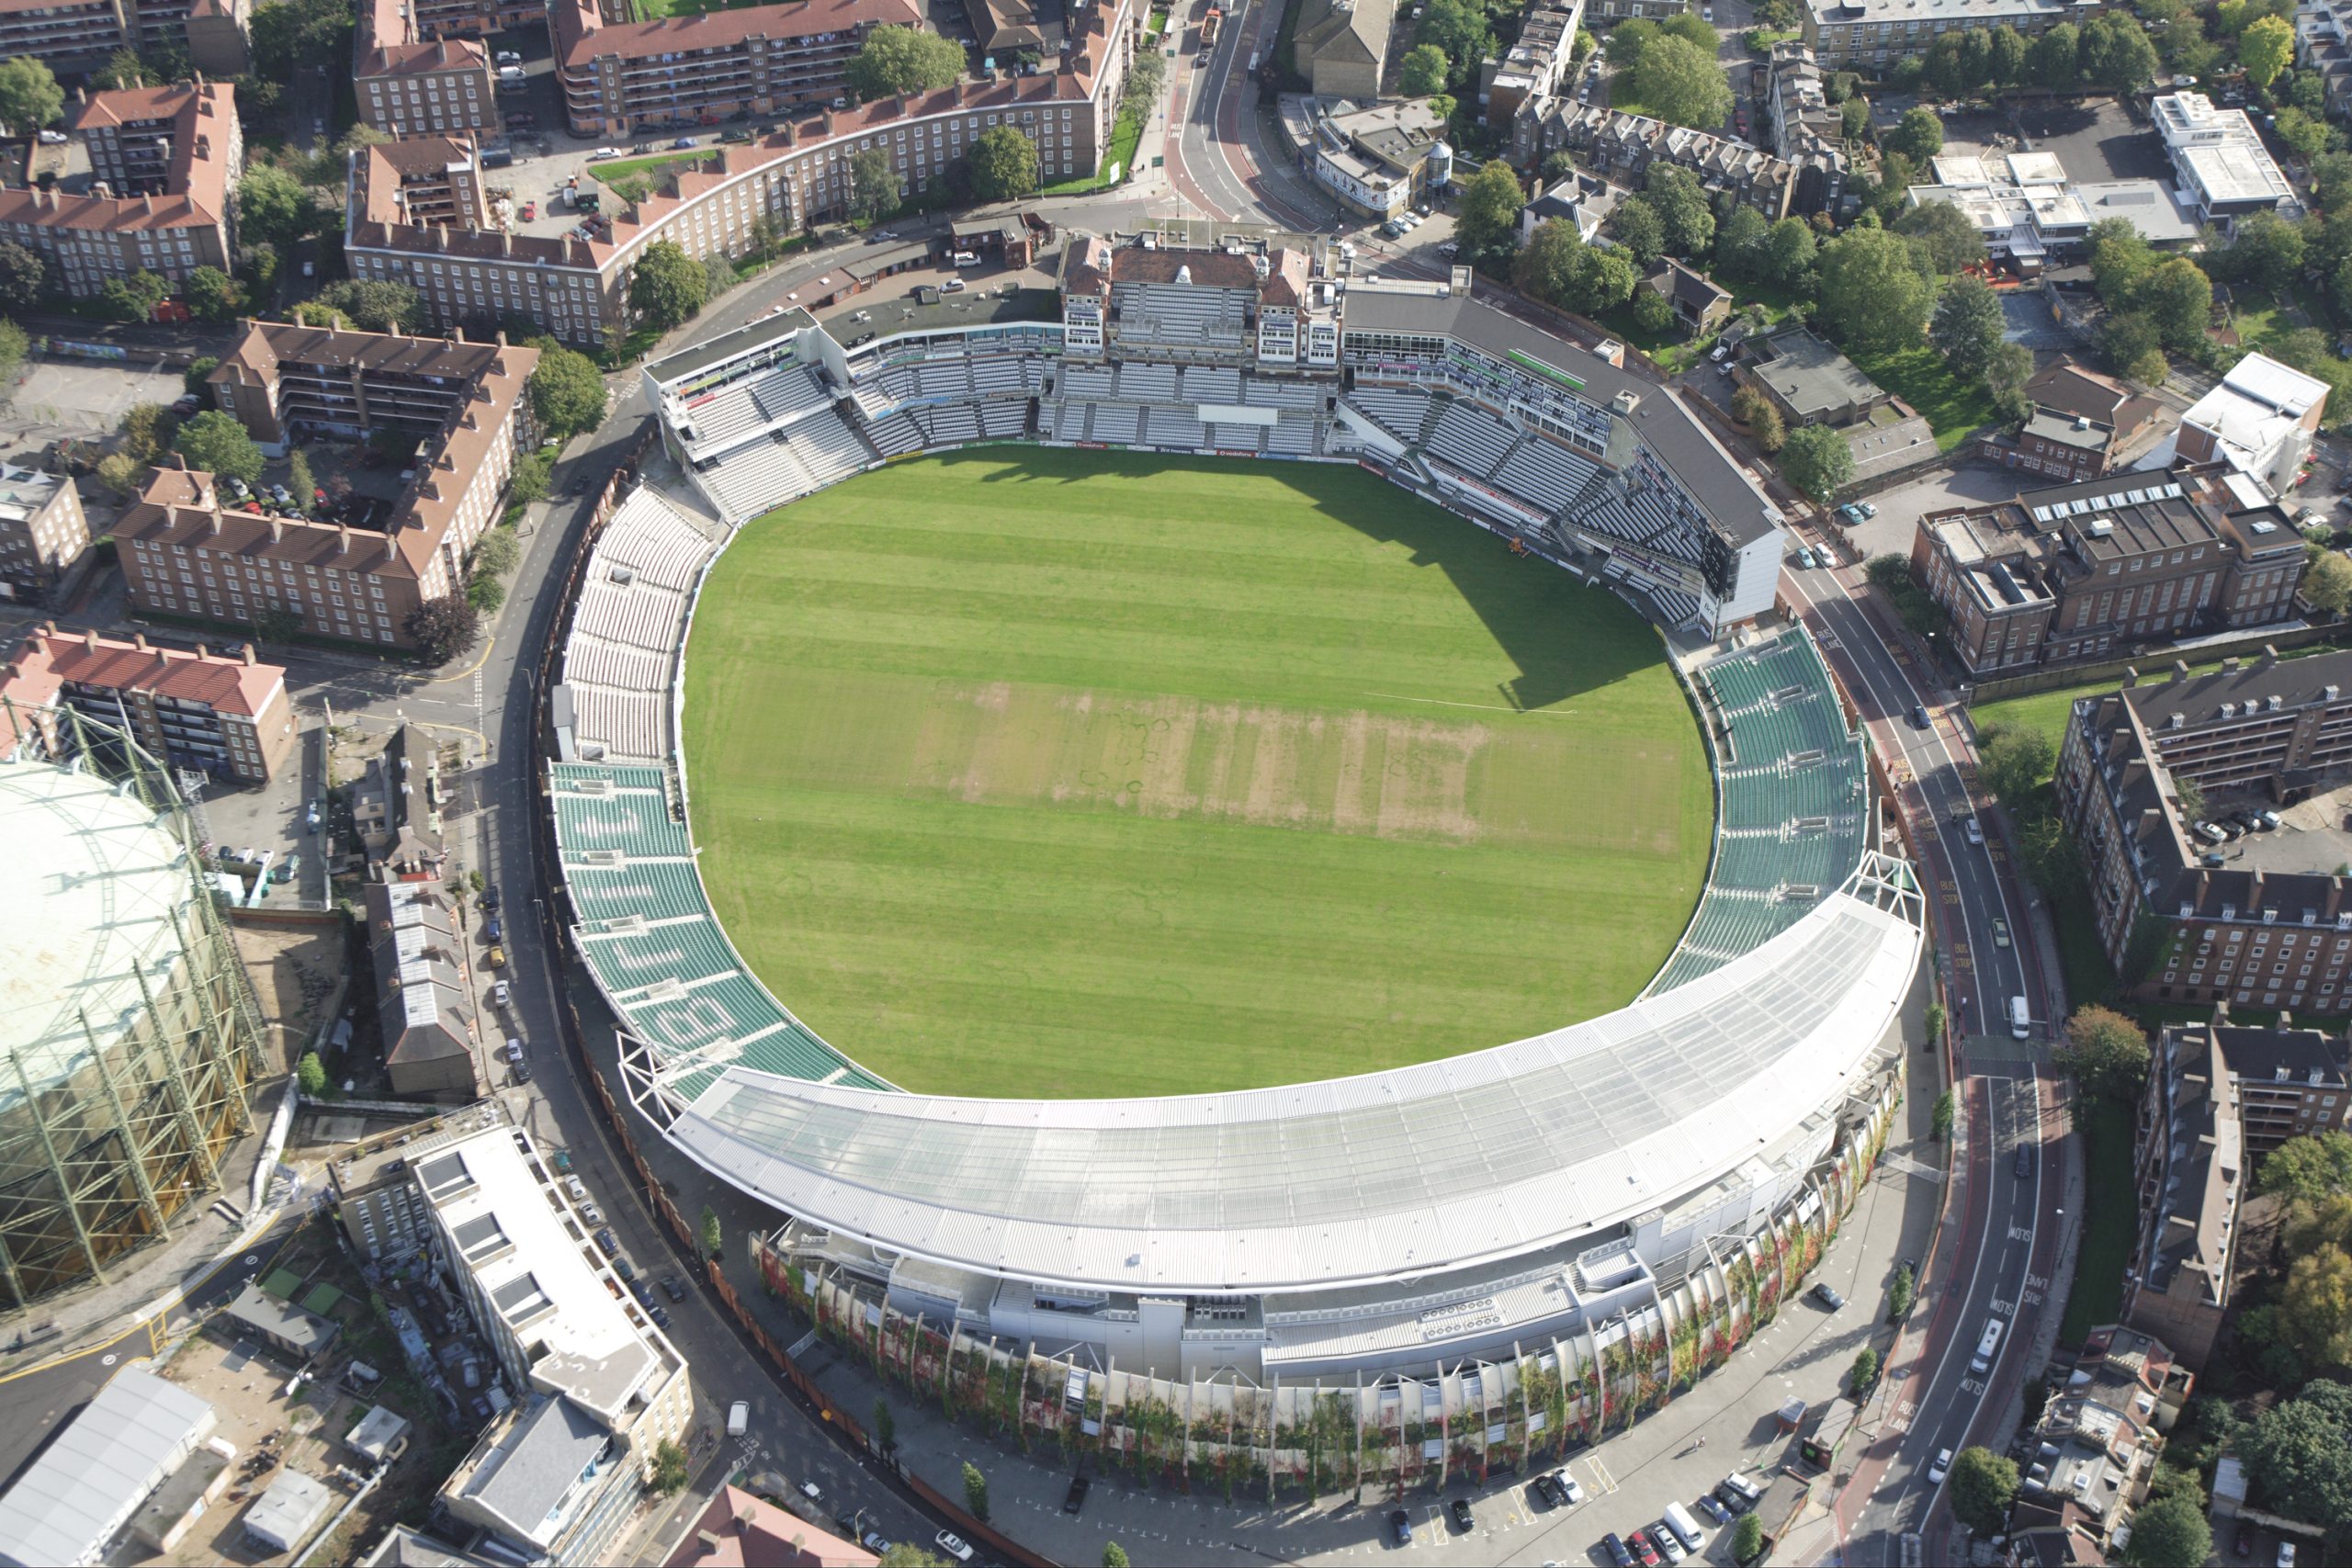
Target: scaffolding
x: 115, y: 1123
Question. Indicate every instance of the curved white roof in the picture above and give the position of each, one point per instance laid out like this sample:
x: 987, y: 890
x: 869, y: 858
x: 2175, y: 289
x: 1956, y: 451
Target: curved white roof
x: 1350, y: 1182
x: 93, y: 880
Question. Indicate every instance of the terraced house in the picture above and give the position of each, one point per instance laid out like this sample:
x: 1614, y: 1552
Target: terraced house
x: 470, y: 275
x: 179, y: 151
x: 1625, y: 147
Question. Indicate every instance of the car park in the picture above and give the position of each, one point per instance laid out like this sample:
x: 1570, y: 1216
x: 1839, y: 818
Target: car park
x: 1828, y: 1297
x: 1074, y: 1500
x: 1458, y: 1510
x: 1400, y: 1527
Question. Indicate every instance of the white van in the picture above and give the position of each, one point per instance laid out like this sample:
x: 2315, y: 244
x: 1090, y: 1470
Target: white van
x: 1685, y: 1529
x: 2020, y: 1021
x: 1985, y: 1345
x: 739, y: 1418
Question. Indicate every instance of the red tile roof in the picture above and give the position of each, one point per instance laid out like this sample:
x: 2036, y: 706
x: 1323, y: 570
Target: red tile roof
x: 48, y: 659
x: 582, y: 37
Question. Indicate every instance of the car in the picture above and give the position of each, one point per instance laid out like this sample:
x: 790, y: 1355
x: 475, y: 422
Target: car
x: 2285, y: 1554
x: 953, y: 286
x: 54, y: 139
x: 2000, y: 932
x: 624, y: 1268
x: 1449, y: 248
x: 1710, y: 1506
x: 506, y: 57
x: 954, y: 1545
x: 1976, y: 832
x: 1668, y: 1546
x: 530, y: 211
x: 660, y: 1315
x: 605, y: 1239
x: 641, y: 149
x: 1722, y: 352
x: 285, y: 870
x: 965, y: 258
x: 578, y: 1189
x: 1828, y: 1297
x: 311, y: 818
x: 1937, y: 1471
x: 644, y: 1297
x: 497, y: 958
x: 513, y: 1050
x: 671, y: 1288
x: 2022, y: 1166
x: 521, y: 1071
x: 1643, y: 1553
x: 1074, y: 1500
x: 685, y: 143
x: 501, y: 995
x: 318, y: 125
x: 876, y: 1542
x: 493, y: 929
x: 1868, y: 510
x: 1619, y: 1555
x: 1736, y: 1501
x: 593, y: 1214
x: 1918, y: 716
x: 1400, y: 1527
x: 185, y: 406
x: 1850, y: 514
x: 1458, y: 1510
x: 2211, y: 862
x: 599, y: 154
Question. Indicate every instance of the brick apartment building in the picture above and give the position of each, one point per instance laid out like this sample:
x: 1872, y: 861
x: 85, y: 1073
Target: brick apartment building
x: 2219, y: 1099
x: 77, y: 36
x: 621, y: 77
x: 473, y: 277
x: 42, y: 533
x: 1863, y: 34
x: 2268, y: 923
x: 224, y: 715
x: 2078, y: 571
x: 411, y: 82
x: 179, y: 151
x: 189, y: 551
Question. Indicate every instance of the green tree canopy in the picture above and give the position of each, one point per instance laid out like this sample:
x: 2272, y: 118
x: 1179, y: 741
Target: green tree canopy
x: 2315, y: 1165
x: 1458, y: 32
x: 29, y: 96
x: 2054, y: 59
x: 212, y: 295
x: 1873, y: 291
x: 24, y: 277
x: 2299, y: 1453
x: 214, y: 441
x: 1741, y: 241
x: 2135, y: 348
x: 1967, y: 325
x: 1789, y: 253
x: 1685, y: 215
x: 311, y: 1073
x: 2267, y: 251
x: 1818, y: 460
x: 1628, y: 40
x: 670, y: 286
x: 2327, y: 583
x: 896, y: 59
x: 444, y: 629
x: 1422, y: 72
x: 567, y: 393
x: 1682, y: 84
x: 1765, y: 426
x: 2178, y: 296
x: 2012, y: 761
x: 1945, y: 239
x: 2170, y: 1533
x: 976, y: 1491
x: 375, y: 304
x: 2264, y: 50
x: 2115, y: 53
x: 873, y: 184
x: 2104, y: 1052
x: 1920, y: 134
x: 1982, y: 1485
x: 274, y: 207
x: 1003, y: 163
x: 1489, y: 212
x: 1639, y: 231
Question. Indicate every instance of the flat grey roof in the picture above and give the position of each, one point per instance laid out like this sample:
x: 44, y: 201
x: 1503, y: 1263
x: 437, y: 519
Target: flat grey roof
x: 1671, y: 431
x: 99, y: 1469
x: 726, y: 346
x: 542, y: 1454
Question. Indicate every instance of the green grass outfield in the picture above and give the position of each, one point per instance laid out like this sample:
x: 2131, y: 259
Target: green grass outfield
x: 1073, y: 773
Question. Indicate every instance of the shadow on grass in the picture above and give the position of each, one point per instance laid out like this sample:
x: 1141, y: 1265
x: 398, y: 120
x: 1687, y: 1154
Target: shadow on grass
x: 1521, y: 599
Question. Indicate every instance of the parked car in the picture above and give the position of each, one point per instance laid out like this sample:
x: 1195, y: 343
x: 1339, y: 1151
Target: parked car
x: 1734, y: 1501
x: 530, y: 211
x: 311, y: 818
x: 1643, y: 1553
x: 506, y: 57
x: 954, y: 1545
x: 1668, y: 1546
x: 187, y: 405
x: 673, y: 1289
x: 1620, y: 1556
x: 685, y: 143
x: 593, y: 1214
x: 1570, y: 1492
x: 501, y: 995
x: 54, y: 139
x: 1710, y: 1507
x: 660, y: 1315
x: 876, y: 1543
x: 2243, y: 1542
x: 644, y: 1297
x: 1828, y: 1297
x: 1074, y: 1500
x: 624, y: 1268
x: 605, y: 1239
x: 1458, y: 1509
x: 498, y: 958
x: 599, y: 154
x: 1400, y: 1527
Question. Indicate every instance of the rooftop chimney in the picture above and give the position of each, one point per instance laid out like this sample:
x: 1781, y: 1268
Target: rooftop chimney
x: 250, y: 660
x: 90, y: 640
x: 138, y: 642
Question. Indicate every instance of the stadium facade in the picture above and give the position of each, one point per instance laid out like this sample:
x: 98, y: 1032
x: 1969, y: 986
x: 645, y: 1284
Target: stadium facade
x: 1399, y: 1274
x: 133, y: 1037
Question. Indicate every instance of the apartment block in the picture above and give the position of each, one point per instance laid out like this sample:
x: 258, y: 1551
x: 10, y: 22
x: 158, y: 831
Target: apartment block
x: 2079, y: 570
x: 42, y: 533
x: 2266, y: 923
x: 2219, y: 160
x: 2192, y: 1176
x: 622, y: 77
x: 226, y: 715
x: 2096, y: 1446
x: 473, y: 277
x: 411, y: 82
x: 79, y: 35
x: 2262, y: 420
x: 189, y: 551
x: 1871, y: 34
x: 597, y: 1385
x: 180, y: 147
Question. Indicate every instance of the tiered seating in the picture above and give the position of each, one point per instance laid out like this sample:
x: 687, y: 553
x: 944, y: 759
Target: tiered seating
x: 1236, y: 437
x: 1089, y: 381
x: 1474, y: 442
x: 1113, y: 423
x: 944, y: 378
x: 1000, y: 374
x: 1210, y: 384
x: 950, y: 423
x: 627, y: 723
x: 1292, y: 433
x: 1281, y: 394
x: 1178, y: 315
x: 1396, y: 410
x: 794, y: 389
x: 1545, y: 472
x: 718, y: 418
x: 1166, y: 426
x: 1002, y: 419
x: 643, y: 615
x: 653, y: 542
x: 895, y: 435
x: 590, y: 659
x: 1148, y: 383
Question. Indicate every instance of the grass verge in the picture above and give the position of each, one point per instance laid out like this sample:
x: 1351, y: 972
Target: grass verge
x: 2098, y: 1292
x: 633, y: 179
x: 1954, y: 409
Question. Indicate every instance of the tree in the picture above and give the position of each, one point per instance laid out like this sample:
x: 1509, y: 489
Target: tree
x: 1948, y: 69
x: 1919, y: 134
x: 1932, y: 1021
x: 1422, y: 72
x: 1628, y: 40
x: 1652, y: 314
x: 2307, y: 134
x: 2115, y: 53
x: 1603, y: 279
x: 2007, y: 370
x: 1459, y: 32
x: 2306, y: 1170
x: 2267, y: 251
x: 24, y: 278
x: 1114, y: 1555
x: 214, y: 441
x: 29, y: 96
x: 1546, y: 266
x: 2054, y: 59
x: 713, y: 1237
x: 718, y: 277
x: 669, y: 288
x: 2327, y: 583
x: 2315, y: 1307
x: 2177, y: 297
x: 2264, y: 50
x: 1639, y: 231
x: 146, y: 430
x: 1684, y: 211
x: 2331, y: 179
x: 311, y: 1073
x: 1899, y: 1295
x: 495, y: 552
x: 2012, y: 761
x: 1488, y: 214
x: 669, y: 1467
x: 375, y: 305
x: 274, y: 207
x: 444, y: 629
x: 2170, y: 1533
x: 976, y: 1491
x: 1740, y: 244
x: 2007, y: 49
x: 885, y: 1424
x: 1863, y: 1372
x: 2300, y: 1453
x: 119, y: 471
x: 1746, y: 1538
x: 1003, y: 164
x: 1789, y: 253
x: 1940, y: 1124
x: 212, y: 295
x: 894, y: 61
x: 299, y: 478
x: 485, y: 593
x: 1816, y: 459
x: 1984, y: 1485
x: 1967, y: 326
x: 529, y: 481
x: 1872, y: 289
x: 1682, y: 85
x: 2135, y: 349
x: 1891, y: 196
x: 1854, y: 120
x: 123, y: 69
x: 2104, y: 1053
x: 567, y: 394
x: 1945, y: 239
x: 1765, y: 426
x: 135, y: 298
x: 1693, y: 29
x: 873, y: 185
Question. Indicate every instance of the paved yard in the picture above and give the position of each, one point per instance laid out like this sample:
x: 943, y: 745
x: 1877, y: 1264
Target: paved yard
x: 1899, y: 510
x: 2094, y: 140
x: 88, y: 397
